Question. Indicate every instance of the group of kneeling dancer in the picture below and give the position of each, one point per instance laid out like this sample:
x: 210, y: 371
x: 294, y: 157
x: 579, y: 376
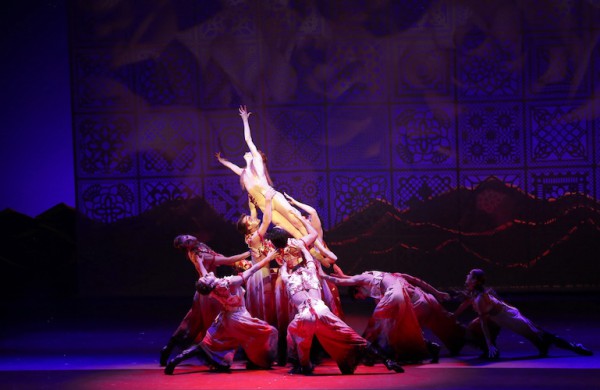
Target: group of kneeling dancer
x: 286, y: 296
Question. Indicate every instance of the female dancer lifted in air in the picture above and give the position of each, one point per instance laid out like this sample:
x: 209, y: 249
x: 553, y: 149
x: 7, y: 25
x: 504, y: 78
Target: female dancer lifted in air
x: 255, y: 179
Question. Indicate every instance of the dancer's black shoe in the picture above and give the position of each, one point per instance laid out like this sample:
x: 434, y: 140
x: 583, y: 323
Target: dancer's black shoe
x: 188, y: 353
x: 373, y: 352
x: 393, y: 365
x: 434, y: 351
x: 170, y: 367
x: 164, y: 355
x: 304, y: 370
x: 220, y: 368
x: 250, y: 365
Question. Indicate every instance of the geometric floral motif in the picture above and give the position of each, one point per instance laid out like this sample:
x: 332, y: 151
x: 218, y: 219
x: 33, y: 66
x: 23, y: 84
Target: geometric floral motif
x: 457, y: 112
x: 422, y: 69
x: 168, y: 144
x: 96, y: 85
x: 157, y: 193
x: 491, y: 135
x: 226, y: 197
x: 557, y: 136
x: 296, y: 139
x: 237, y: 21
x: 361, y: 76
x: 555, y: 65
x: 358, y: 139
x: 105, y: 147
x: 308, y: 188
x: 421, y: 137
x: 108, y: 202
x: 167, y: 79
x: 554, y: 185
x: 488, y: 72
x: 412, y: 190
x: 356, y: 192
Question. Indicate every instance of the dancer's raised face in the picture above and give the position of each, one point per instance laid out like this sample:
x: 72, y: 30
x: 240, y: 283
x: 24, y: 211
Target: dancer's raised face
x: 251, y: 223
x: 206, y: 283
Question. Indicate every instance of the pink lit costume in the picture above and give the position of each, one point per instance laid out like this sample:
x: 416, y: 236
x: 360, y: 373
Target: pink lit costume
x: 394, y: 325
x: 286, y: 311
x: 432, y: 315
x: 204, y: 309
x: 260, y: 295
x: 314, y: 318
x: 234, y: 327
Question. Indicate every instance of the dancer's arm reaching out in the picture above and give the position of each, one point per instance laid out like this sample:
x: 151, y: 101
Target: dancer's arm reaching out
x: 258, y: 163
x: 439, y: 295
x: 236, y: 169
x: 354, y: 280
x: 245, y: 114
x: 227, y: 260
x: 239, y: 279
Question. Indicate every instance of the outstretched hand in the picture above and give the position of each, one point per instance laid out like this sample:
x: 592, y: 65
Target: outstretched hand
x: 290, y: 199
x: 219, y: 157
x: 493, y: 352
x: 244, y: 113
x: 296, y: 243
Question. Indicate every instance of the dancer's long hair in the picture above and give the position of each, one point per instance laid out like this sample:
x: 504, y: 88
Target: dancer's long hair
x: 264, y: 158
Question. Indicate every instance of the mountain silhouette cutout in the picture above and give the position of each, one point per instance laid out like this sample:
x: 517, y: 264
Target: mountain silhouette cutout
x: 38, y: 255
x: 522, y: 242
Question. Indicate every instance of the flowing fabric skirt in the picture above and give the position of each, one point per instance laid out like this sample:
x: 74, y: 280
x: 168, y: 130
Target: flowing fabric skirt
x: 260, y: 296
x: 234, y: 329
x: 198, y: 319
x: 340, y: 341
x: 394, y: 327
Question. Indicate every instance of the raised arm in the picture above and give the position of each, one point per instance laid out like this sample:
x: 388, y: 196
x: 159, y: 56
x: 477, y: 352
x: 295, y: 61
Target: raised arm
x: 283, y: 272
x: 200, y: 262
x: 245, y: 114
x: 229, y: 260
x: 354, y: 280
x: 257, y: 159
x: 252, y: 206
x: 312, y: 235
x: 439, y: 295
x: 310, y: 260
x: 250, y: 271
x: 236, y: 169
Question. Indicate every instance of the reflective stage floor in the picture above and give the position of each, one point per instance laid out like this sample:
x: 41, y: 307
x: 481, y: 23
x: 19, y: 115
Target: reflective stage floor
x: 115, y: 344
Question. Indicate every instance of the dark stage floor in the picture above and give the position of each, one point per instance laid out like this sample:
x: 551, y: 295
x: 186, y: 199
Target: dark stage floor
x: 114, y: 344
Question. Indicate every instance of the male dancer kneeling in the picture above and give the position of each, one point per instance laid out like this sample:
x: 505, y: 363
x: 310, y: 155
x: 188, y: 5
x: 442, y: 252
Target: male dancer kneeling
x: 234, y: 327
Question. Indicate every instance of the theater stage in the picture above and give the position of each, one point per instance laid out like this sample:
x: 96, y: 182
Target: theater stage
x: 115, y: 344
